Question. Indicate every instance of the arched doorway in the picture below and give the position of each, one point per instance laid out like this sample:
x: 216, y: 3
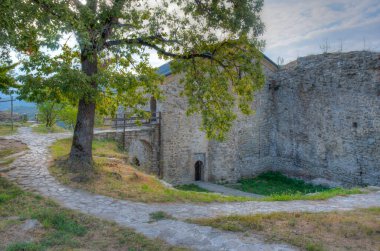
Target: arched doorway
x: 141, y: 155
x: 198, y: 170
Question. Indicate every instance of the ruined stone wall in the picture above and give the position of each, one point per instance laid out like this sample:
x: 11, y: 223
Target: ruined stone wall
x: 326, y: 114
x: 317, y: 117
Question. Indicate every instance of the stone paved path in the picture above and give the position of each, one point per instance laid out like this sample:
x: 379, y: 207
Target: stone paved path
x: 31, y: 172
x: 225, y: 190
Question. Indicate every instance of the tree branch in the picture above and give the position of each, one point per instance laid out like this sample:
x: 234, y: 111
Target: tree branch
x: 149, y: 44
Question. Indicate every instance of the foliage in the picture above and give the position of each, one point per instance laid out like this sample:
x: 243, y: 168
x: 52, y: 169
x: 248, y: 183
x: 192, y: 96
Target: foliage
x: 48, y: 112
x: 98, y: 51
x: 6, y: 80
x: 68, y: 116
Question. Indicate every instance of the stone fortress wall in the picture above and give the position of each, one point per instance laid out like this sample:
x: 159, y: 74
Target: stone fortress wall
x: 317, y: 117
x: 326, y: 118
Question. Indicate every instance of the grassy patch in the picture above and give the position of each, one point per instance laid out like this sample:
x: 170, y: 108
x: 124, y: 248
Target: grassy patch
x: 192, y: 187
x: 114, y: 178
x: 160, y: 215
x: 25, y: 246
x: 324, y: 195
x: 63, y: 229
x: 278, y: 187
x: 352, y: 230
x: 43, y: 129
x: 6, y: 162
x: 9, y: 147
x: 6, y: 128
x: 273, y: 183
x: 7, y: 151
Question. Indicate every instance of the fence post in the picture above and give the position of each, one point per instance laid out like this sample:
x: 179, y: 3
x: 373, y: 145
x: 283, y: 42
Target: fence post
x: 12, y: 111
x: 124, y: 132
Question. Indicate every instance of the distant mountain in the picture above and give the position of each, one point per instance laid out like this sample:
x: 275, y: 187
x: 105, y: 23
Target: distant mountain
x: 19, y: 106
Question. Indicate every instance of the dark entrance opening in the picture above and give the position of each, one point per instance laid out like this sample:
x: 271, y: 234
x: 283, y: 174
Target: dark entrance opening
x: 135, y: 161
x: 153, y: 109
x: 198, y: 170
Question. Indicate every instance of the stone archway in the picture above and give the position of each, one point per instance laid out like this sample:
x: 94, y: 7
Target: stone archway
x: 143, y: 143
x: 141, y: 154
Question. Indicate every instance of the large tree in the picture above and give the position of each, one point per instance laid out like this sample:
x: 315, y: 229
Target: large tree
x: 96, y: 53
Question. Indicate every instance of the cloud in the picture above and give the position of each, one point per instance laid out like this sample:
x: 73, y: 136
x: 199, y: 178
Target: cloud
x: 298, y: 28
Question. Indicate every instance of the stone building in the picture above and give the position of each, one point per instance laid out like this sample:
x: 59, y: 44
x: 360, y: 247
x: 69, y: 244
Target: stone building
x: 316, y: 118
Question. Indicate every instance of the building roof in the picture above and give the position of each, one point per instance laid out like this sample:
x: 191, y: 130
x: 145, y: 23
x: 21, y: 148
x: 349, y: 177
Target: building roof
x: 166, y: 71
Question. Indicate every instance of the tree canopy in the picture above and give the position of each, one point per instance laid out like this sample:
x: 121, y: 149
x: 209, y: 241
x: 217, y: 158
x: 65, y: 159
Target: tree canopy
x: 6, y: 80
x: 97, y: 52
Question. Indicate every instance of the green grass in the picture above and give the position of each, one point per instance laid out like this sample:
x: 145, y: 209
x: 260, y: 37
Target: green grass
x: 25, y: 246
x: 278, y: 187
x: 345, y: 230
x: 324, y: 195
x: 6, y: 152
x: 6, y: 128
x: 274, y: 183
x: 159, y: 215
x: 192, y: 187
x: 6, y: 162
x: 63, y: 229
x: 43, y: 129
x: 7, y: 148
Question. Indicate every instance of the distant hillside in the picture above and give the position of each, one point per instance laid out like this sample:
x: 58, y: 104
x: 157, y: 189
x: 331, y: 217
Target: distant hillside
x: 19, y: 106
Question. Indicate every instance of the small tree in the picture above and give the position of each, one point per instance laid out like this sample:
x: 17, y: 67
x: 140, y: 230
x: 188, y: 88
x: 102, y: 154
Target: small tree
x: 214, y: 44
x: 68, y: 116
x: 48, y: 113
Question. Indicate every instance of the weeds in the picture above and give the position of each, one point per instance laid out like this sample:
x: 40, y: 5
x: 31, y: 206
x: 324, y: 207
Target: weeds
x: 159, y: 215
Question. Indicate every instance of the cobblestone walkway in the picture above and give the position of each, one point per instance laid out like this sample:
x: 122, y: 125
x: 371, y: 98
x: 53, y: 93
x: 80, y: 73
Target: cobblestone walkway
x: 31, y: 172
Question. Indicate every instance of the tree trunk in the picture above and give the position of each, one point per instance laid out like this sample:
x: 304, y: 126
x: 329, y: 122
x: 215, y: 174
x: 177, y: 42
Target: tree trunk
x: 81, y: 148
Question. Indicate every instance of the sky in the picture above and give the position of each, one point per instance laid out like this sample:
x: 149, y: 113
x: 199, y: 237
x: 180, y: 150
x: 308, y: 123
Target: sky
x: 297, y: 28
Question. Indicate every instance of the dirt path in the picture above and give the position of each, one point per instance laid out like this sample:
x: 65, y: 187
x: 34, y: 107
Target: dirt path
x: 31, y: 172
